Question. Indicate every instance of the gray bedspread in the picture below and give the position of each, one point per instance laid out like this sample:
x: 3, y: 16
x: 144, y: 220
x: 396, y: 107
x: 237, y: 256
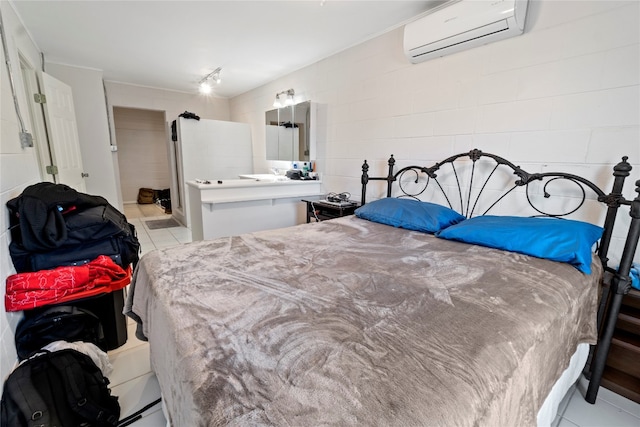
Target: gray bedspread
x: 350, y: 322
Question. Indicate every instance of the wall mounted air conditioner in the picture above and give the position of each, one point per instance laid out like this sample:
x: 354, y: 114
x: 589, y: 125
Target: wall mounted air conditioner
x: 461, y: 25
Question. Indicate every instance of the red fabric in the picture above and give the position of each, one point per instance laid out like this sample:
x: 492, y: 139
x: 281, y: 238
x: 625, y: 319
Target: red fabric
x: 30, y: 290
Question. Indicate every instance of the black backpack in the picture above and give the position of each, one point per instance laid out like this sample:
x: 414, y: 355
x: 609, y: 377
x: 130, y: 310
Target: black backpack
x: 38, y: 215
x: 40, y: 327
x: 58, y: 389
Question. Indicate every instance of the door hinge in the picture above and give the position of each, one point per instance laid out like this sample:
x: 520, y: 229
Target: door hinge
x: 39, y: 98
x: 52, y: 170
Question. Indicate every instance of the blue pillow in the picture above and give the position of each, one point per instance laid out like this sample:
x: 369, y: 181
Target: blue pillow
x: 556, y: 239
x: 635, y: 276
x: 409, y: 214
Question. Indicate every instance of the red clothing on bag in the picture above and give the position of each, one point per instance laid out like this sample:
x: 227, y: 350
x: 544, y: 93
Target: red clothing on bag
x: 30, y: 290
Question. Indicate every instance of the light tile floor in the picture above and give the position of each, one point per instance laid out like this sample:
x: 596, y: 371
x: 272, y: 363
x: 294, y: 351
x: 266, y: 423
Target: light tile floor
x: 132, y: 379
x: 136, y: 386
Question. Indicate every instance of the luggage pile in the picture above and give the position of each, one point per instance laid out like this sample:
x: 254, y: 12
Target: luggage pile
x: 73, y: 254
x: 54, y: 225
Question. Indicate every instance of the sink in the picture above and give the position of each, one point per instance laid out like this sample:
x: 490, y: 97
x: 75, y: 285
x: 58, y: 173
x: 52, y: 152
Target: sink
x: 265, y: 177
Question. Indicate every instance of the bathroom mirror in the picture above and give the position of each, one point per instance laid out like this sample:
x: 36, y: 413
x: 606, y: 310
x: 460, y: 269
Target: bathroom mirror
x: 288, y: 135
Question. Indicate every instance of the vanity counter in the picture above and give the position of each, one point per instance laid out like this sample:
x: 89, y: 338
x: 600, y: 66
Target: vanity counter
x: 236, y: 206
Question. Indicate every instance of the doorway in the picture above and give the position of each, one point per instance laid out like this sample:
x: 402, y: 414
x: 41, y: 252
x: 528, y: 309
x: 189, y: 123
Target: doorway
x: 141, y: 137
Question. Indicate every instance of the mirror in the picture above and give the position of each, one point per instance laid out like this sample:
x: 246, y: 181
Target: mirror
x: 288, y: 134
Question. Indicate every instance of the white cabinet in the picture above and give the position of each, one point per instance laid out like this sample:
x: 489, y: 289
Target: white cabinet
x: 231, y: 207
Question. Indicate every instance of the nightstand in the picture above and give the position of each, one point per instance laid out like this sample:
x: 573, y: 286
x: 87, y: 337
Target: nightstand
x: 320, y: 210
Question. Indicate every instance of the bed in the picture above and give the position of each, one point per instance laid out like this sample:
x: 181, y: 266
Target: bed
x: 364, y: 320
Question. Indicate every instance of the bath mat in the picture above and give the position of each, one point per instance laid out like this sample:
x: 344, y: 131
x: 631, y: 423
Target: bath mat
x: 162, y: 223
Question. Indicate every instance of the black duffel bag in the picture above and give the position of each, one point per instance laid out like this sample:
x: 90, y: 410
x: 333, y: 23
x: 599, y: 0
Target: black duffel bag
x: 123, y: 249
x: 74, y: 235
x: 38, y: 215
x: 41, y: 327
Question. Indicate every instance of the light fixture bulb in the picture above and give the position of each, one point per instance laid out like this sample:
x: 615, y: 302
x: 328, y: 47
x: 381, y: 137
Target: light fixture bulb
x: 206, y: 84
x: 289, y: 99
x: 205, y: 87
x: 278, y: 102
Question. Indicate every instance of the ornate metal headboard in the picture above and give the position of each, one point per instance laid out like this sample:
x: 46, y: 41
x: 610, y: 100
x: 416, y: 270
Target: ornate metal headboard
x: 465, y: 197
x: 466, y: 193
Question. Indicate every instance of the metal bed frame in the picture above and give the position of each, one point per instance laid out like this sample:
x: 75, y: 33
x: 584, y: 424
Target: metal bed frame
x: 617, y: 281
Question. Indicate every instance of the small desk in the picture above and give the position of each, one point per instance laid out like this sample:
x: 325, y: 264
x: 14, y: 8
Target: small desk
x: 320, y: 211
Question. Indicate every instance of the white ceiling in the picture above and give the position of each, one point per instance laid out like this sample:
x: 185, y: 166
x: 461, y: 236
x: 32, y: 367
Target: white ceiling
x: 174, y: 44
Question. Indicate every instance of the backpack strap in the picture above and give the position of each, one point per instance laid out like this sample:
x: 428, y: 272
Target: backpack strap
x: 27, y: 397
x: 138, y: 414
x: 68, y: 363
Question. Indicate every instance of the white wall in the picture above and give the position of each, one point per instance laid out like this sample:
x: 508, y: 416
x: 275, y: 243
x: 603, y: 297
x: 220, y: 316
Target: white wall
x: 208, y: 149
x: 18, y: 166
x: 563, y: 96
x: 93, y: 129
x: 172, y: 102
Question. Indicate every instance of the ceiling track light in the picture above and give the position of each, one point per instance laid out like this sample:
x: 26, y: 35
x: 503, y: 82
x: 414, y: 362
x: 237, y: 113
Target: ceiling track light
x: 206, y: 84
x: 284, y: 98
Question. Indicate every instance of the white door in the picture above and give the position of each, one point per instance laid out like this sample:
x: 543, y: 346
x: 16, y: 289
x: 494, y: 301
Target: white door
x: 62, y: 130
